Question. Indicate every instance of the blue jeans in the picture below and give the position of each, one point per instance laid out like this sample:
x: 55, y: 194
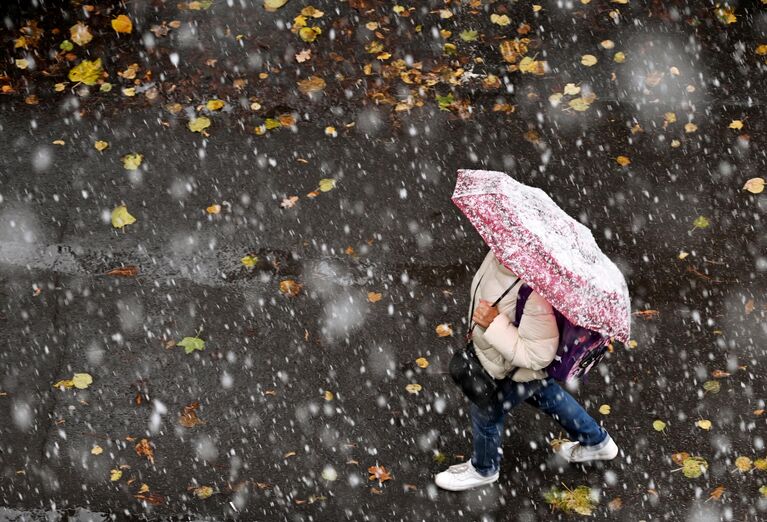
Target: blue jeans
x: 544, y: 394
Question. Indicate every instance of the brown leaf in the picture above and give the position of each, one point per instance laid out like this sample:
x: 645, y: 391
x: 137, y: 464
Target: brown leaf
x: 615, y: 504
x: 124, y: 271
x: 679, y: 458
x: 717, y: 493
x: 290, y: 288
x: 188, y: 418
x: 379, y: 473
x: 151, y: 498
x: 144, y: 449
x: 718, y: 374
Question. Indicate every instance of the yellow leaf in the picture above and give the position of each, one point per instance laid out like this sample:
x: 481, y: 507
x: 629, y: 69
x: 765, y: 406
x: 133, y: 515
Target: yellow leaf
x: 605, y: 409
x: 413, y: 388
x: 501, y: 20
x: 203, y: 492
x: 312, y: 12
x: 623, y: 160
x: 536, y: 8
x: 82, y: 380
x: 87, y: 72
x: 704, y: 424
x: 690, y: 127
x: 59, y: 87
x: 444, y: 330
x: 97, y: 450
x: 22, y: 63
x: 422, y: 362
x: 588, y: 60
x: 80, y: 34
x: 122, y: 24
x: 743, y: 464
x: 669, y: 117
x: 761, y: 50
x: 761, y: 464
x: 214, y: 105
x: 659, y: 425
x: 67, y: 383
x: 101, y: 145
x: 693, y: 467
x: 619, y: 57
x: 249, y: 261
x: 144, y: 488
x: 607, y: 44
x: 327, y: 184
x: 311, y: 84
x: 129, y: 91
x: 675, y: 143
x: 572, y: 89
x: 59, y: 142
x: 132, y: 161
x: 199, y: 124
x: 374, y: 297
x: 331, y: 131
x: 121, y: 217
x: 579, y: 104
x: 115, y: 475
x: 309, y: 34
x: 328, y: 395
x: 273, y: 5
x: 683, y: 254
x: 736, y: 124
x: 754, y: 185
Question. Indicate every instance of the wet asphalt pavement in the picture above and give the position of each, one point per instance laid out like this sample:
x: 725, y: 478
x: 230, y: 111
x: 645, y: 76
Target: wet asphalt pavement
x: 271, y: 438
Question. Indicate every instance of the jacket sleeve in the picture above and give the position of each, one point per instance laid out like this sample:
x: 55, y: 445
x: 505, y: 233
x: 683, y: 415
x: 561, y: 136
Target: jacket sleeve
x: 534, y: 344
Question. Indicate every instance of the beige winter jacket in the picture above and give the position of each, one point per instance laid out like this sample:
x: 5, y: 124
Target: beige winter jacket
x: 502, y: 347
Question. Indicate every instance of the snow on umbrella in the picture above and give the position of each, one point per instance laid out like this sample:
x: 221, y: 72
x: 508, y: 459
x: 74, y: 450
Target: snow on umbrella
x: 555, y: 254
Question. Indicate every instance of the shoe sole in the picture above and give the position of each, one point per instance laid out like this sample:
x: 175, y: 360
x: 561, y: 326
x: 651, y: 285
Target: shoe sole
x: 489, y: 480
x: 605, y: 457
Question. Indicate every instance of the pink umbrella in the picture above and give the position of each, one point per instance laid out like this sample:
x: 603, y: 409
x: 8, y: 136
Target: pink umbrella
x: 556, y: 255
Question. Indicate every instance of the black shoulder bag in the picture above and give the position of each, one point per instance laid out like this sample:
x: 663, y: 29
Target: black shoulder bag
x: 467, y: 372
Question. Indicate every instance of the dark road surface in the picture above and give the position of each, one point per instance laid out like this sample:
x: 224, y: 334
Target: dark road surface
x: 273, y: 445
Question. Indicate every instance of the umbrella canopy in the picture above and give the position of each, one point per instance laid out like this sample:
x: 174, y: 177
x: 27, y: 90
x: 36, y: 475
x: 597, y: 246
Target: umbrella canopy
x: 555, y: 254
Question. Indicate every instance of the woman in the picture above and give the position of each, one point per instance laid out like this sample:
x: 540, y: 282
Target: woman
x: 521, y: 354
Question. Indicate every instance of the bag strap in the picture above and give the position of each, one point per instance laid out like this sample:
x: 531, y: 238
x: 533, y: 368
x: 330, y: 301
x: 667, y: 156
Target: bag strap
x: 522, y: 295
x: 471, y: 327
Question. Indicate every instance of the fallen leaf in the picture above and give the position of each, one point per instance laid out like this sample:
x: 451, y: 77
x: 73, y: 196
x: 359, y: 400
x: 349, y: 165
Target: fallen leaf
x: 80, y: 34
x: 719, y: 374
x: 690, y: 127
x: 693, y: 467
x: 309, y: 34
x: 501, y: 20
x: 311, y: 84
x: 379, y: 473
x: 679, y: 458
x: 444, y: 330
x: 121, y: 217
x: 101, y: 145
x: 588, y: 60
x: 736, y: 124
x: 422, y: 362
x: 87, y: 72
x: 214, y: 105
x: 289, y: 202
x: 468, y: 35
x: 413, y: 388
x: 760, y: 464
x: 122, y: 24
x: 124, y: 271
x: 59, y: 142
x: 144, y: 449
x: 605, y: 409
x: 374, y: 297
x: 65, y: 383
x: 712, y: 386
x: 132, y: 161
x: 659, y: 425
x: 115, y: 475
x: 615, y: 504
x: 701, y: 222
x: 328, y: 395
x: 754, y: 185
x: 97, y: 450
x: 327, y: 184
x: 716, y: 493
x: 571, y: 89
x: 743, y: 464
x: 249, y: 261
x: 199, y: 124
x: 188, y: 417
x: 213, y: 209
x: 191, y: 344
x: 203, y: 492
x: 21, y: 63
x: 579, y: 500
x: 623, y: 160
x: 273, y: 5
x: 704, y: 424
x: 619, y: 57
x: 304, y: 55
x: 290, y: 288
x: 82, y: 380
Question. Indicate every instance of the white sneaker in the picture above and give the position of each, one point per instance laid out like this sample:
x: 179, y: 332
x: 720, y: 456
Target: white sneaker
x: 462, y: 477
x: 575, y: 452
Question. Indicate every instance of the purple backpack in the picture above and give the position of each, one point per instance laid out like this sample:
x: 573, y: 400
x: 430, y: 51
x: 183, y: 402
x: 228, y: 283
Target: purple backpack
x: 580, y: 349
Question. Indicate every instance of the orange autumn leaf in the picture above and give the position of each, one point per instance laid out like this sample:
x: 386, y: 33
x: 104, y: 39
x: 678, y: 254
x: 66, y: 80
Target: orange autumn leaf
x: 718, y: 374
x: 189, y: 418
x: 379, y: 473
x: 374, y: 297
x: 124, y: 271
x: 717, y: 493
x: 290, y: 288
x: 144, y: 449
x: 122, y: 24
